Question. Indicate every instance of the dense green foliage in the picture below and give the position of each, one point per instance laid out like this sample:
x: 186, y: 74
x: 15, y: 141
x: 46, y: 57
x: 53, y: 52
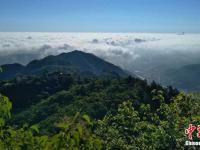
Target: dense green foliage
x: 113, y: 113
x: 48, y: 98
x: 74, y: 133
x: 147, y: 129
x: 126, y: 128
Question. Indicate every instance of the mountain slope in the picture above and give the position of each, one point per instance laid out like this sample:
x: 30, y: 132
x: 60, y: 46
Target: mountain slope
x: 45, y: 99
x: 185, y: 78
x: 75, y: 61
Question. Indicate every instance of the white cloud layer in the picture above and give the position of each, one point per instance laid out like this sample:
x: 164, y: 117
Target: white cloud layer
x: 131, y: 51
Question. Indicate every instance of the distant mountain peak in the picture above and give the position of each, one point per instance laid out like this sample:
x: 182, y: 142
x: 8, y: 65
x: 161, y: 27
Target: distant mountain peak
x: 72, y: 52
x: 74, y: 61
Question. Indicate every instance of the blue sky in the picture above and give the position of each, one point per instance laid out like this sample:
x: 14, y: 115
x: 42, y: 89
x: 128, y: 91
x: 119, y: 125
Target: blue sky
x: 100, y: 15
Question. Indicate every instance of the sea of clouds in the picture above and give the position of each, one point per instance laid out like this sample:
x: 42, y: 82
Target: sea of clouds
x: 136, y: 52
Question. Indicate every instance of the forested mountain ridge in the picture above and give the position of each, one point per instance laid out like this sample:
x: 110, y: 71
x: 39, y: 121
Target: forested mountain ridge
x: 75, y: 61
x: 46, y: 98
